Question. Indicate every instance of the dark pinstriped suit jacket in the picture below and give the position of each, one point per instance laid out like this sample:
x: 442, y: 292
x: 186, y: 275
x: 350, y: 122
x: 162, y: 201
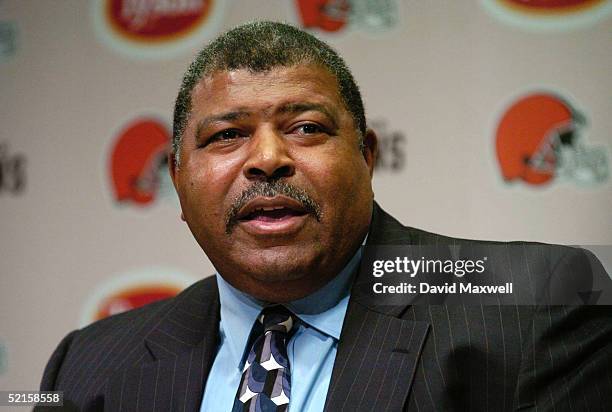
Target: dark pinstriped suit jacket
x: 414, y: 357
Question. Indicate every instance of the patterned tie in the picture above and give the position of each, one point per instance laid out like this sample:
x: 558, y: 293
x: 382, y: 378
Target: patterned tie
x: 266, y: 380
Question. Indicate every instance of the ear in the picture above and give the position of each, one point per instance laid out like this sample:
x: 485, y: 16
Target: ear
x: 173, y: 170
x: 370, y: 149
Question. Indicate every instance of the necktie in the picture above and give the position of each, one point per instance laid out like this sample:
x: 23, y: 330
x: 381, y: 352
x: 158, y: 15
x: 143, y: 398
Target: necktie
x: 266, y: 380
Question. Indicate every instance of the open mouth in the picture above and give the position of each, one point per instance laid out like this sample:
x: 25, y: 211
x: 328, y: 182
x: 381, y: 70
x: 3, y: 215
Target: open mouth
x: 278, y: 215
x: 272, y: 214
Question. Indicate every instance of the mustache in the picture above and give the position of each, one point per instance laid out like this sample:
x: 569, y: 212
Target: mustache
x: 270, y: 189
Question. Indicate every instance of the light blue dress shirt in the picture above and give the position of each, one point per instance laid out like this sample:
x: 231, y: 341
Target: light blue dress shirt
x: 311, y: 350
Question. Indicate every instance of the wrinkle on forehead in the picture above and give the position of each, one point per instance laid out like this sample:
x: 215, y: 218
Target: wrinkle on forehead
x: 315, y: 89
x: 297, y: 75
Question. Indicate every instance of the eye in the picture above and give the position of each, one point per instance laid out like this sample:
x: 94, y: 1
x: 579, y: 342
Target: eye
x: 308, y: 128
x: 224, y: 136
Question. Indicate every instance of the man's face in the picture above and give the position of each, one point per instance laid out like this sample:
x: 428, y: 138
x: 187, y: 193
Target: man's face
x: 272, y: 182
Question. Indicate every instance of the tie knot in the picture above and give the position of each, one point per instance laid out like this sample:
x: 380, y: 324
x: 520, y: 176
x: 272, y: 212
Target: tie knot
x: 277, y: 318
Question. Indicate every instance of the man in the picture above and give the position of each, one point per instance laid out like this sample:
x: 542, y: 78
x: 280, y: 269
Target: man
x: 272, y: 162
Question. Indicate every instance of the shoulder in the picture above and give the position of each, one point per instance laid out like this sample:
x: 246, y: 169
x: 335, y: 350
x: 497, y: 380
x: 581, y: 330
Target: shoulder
x: 110, y: 340
x: 557, y: 271
x: 387, y: 230
x: 135, y: 318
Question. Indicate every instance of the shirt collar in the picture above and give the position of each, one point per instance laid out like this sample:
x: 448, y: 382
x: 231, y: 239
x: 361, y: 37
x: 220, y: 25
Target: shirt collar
x: 323, y: 310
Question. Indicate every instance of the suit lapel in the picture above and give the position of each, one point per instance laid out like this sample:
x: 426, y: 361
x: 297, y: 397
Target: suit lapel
x: 181, y: 349
x: 376, y: 361
x: 378, y: 352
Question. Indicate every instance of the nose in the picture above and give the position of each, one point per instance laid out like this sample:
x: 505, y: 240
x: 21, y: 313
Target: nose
x: 268, y: 157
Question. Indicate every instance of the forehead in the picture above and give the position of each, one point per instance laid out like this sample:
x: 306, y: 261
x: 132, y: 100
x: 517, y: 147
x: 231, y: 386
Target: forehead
x: 278, y: 86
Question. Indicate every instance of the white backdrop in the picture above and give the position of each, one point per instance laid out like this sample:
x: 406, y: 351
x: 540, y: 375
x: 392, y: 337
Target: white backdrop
x: 436, y: 77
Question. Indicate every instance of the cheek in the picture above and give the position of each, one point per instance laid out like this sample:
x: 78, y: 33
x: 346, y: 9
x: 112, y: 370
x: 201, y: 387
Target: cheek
x: 212, y: 178
x: 206, y: 193
x: 338, y: 182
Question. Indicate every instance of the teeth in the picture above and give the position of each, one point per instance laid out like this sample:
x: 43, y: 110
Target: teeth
x: 268, y: 209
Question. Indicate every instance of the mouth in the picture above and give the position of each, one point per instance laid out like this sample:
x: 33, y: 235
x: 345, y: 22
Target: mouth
x: 271, y: 214
x: 277, y: 215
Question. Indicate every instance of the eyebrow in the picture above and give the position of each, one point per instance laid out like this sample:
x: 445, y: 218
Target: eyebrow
x: 223, y: 117
x: 301, y: 107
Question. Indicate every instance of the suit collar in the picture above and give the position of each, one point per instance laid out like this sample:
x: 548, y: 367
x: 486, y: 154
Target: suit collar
x: 188, y: 323
x: 384, y: 231
x: 378, y: 352
x: 387, y: 232
x: 182, y: 347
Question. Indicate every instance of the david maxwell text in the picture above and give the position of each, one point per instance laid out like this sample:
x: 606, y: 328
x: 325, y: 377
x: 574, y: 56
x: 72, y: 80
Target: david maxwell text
x: 452, y: 288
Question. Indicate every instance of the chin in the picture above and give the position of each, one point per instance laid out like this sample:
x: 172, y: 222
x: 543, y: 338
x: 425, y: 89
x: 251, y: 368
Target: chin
x: 271, y: 266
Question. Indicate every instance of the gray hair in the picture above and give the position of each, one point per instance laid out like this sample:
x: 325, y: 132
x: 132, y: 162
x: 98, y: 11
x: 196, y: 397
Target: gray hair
x: 259, y: 47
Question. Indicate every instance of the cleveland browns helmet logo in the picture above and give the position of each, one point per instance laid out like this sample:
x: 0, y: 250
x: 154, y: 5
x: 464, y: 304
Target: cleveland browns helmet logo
x: 138, y: 161
x: 539, y: 138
